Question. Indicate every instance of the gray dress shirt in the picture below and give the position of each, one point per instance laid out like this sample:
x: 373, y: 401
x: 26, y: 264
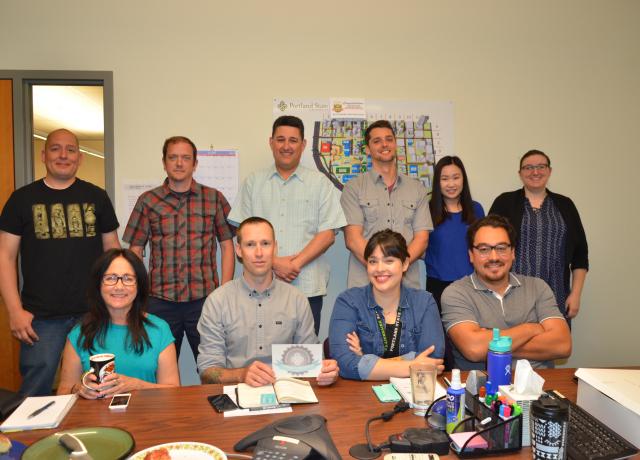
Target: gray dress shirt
x: 238, y: 325
x: 366, y: 201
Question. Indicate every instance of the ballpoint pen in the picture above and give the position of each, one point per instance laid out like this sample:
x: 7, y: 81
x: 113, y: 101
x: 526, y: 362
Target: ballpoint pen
x: 41, y: 410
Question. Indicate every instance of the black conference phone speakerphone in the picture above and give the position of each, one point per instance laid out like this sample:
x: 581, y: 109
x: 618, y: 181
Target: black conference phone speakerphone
x: 292, y: 438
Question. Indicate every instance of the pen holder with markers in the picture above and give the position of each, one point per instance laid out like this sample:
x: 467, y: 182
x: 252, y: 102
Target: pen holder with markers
x: 485, y: 432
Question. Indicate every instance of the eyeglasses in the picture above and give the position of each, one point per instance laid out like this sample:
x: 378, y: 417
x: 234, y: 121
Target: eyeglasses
x: 501, y: 249
x: 112, y: 280
x: 530, y: 168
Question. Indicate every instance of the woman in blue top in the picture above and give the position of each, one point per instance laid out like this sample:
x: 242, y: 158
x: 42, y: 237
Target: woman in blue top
x: 145, y: 356
x: 452, y: 211
x: 377, y: 331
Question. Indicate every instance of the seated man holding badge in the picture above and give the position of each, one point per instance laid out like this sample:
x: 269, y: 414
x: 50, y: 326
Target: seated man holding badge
x: 244, y: 317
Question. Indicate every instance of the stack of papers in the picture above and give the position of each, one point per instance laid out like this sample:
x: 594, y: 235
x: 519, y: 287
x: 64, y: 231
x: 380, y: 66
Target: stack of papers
x: 23, y: 418
x: 613, y: 397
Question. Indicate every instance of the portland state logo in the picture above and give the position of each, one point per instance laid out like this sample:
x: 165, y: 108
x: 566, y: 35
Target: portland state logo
x: 296, y: 360
x: 282, y: 106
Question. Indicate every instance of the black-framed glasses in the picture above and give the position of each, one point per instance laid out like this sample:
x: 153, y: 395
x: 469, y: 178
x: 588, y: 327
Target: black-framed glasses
x: 531, y: 168
x: 501, y: 249
x: 111, y: 280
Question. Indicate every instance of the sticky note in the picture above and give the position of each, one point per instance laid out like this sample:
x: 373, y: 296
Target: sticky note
x: 477, y: 442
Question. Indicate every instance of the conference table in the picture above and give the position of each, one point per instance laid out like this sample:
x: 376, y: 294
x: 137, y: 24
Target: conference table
x: 184, y: 414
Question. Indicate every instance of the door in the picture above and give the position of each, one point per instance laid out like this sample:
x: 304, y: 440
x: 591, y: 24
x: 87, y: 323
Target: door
x: 9, y: 346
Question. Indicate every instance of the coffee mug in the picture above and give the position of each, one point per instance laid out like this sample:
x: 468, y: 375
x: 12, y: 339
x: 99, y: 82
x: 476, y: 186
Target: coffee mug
x: 101, y: 365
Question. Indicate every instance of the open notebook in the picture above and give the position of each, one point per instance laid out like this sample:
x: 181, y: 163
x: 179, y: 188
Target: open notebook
x: 48, y: 418
x: 285, y: 390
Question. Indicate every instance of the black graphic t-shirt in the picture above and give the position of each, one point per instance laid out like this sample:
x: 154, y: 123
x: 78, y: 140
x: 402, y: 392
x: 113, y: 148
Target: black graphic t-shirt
x: 61, y: 236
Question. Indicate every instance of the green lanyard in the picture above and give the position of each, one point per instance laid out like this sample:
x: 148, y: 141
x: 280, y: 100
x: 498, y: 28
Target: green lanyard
x: 381, y: 325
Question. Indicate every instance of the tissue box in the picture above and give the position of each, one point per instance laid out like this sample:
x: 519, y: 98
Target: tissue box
x: 524, y: 401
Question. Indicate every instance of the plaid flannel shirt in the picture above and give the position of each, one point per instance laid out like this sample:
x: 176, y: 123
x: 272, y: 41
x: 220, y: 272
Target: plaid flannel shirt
x: 182, y: 229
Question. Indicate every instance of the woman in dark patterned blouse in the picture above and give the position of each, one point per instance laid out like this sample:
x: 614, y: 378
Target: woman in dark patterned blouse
x: 551, y: 241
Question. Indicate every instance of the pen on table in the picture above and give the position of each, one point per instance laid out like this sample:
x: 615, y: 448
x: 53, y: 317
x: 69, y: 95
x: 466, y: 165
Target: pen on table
x: 41, y: 410
x: 275, y: 406
x: 447, y: 381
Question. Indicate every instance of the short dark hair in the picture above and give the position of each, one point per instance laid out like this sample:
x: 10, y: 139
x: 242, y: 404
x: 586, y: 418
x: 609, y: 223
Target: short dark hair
x: 392, y: 244
x: 96, y: 322
x: 374, y: 125
x: 492, y: 220
x: 535, y: 152
x: 288, y: 120
x: 177, y: 140
x: 252, y: 221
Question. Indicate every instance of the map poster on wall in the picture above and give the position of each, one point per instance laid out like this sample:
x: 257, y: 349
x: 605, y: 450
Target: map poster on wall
x: 424, y: 134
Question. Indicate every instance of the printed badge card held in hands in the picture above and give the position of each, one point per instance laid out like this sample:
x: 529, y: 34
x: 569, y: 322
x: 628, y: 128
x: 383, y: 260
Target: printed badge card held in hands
x: 296, y: 360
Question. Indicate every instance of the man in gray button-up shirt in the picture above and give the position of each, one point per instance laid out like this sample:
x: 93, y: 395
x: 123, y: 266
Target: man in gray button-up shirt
x: 522, y: 307
x: 383, y: 198
x: 244, y: 317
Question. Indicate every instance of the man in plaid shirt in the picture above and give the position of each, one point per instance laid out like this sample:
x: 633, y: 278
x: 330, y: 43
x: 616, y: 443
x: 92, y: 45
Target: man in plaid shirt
x: 182, y: 220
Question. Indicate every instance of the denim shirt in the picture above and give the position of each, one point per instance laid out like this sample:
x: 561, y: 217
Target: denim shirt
x: 355, y: 309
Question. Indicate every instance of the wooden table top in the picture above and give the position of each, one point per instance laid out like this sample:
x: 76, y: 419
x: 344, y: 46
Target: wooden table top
x: 184, y: 414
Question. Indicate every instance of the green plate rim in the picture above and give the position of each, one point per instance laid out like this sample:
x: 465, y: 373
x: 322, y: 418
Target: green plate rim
x: 133, y: 441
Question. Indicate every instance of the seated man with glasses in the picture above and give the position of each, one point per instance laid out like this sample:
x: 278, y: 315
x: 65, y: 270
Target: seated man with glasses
x: 522, y: 307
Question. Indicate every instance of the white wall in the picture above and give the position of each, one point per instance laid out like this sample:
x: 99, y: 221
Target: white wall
x: 559, y: 76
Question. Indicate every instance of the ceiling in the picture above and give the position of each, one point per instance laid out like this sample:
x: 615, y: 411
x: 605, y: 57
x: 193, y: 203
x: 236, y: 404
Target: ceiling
x: 76, y: 108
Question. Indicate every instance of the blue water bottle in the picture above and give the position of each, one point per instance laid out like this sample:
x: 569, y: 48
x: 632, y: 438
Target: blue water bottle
x: 499, y: 360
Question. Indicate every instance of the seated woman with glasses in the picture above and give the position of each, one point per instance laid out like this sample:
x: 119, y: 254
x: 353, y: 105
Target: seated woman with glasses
x: 116, y: 323
x: 551, y: 243
x: 377, y: 331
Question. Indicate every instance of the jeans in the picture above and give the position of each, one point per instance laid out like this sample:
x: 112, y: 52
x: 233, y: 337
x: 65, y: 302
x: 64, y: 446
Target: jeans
x: 39, y: 362
x: 436, y: 287
x: 316, y: 307
x: 182, y: 318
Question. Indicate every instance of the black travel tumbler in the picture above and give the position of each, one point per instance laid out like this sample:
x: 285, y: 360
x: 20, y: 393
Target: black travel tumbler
x: 549, y: 424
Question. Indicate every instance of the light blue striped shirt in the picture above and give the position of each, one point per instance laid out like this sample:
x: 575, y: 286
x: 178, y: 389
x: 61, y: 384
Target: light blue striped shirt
x: 298, y: 208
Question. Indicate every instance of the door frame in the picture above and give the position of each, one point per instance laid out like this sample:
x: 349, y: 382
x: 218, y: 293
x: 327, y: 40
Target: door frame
x: 23, y: 81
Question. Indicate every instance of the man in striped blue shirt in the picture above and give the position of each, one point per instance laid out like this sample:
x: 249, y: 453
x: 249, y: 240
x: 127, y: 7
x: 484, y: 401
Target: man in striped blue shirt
x: 304, y: 208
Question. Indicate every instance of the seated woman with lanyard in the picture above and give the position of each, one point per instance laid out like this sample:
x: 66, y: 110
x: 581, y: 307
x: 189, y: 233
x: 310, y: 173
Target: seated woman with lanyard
x: 145, y: 356
x: 377, y: 331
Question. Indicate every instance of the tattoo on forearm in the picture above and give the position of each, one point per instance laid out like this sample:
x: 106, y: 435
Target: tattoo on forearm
x: 212, y: 376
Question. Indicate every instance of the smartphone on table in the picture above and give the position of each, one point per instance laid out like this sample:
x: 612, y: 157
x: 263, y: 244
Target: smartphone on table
x: 222, y: 403
x: 120, y: 401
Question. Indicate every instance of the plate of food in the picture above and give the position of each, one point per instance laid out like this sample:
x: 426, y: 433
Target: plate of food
x: 180, y: 451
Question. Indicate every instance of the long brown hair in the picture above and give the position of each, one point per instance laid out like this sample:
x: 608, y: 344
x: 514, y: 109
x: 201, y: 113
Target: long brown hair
x: 96, y: 322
